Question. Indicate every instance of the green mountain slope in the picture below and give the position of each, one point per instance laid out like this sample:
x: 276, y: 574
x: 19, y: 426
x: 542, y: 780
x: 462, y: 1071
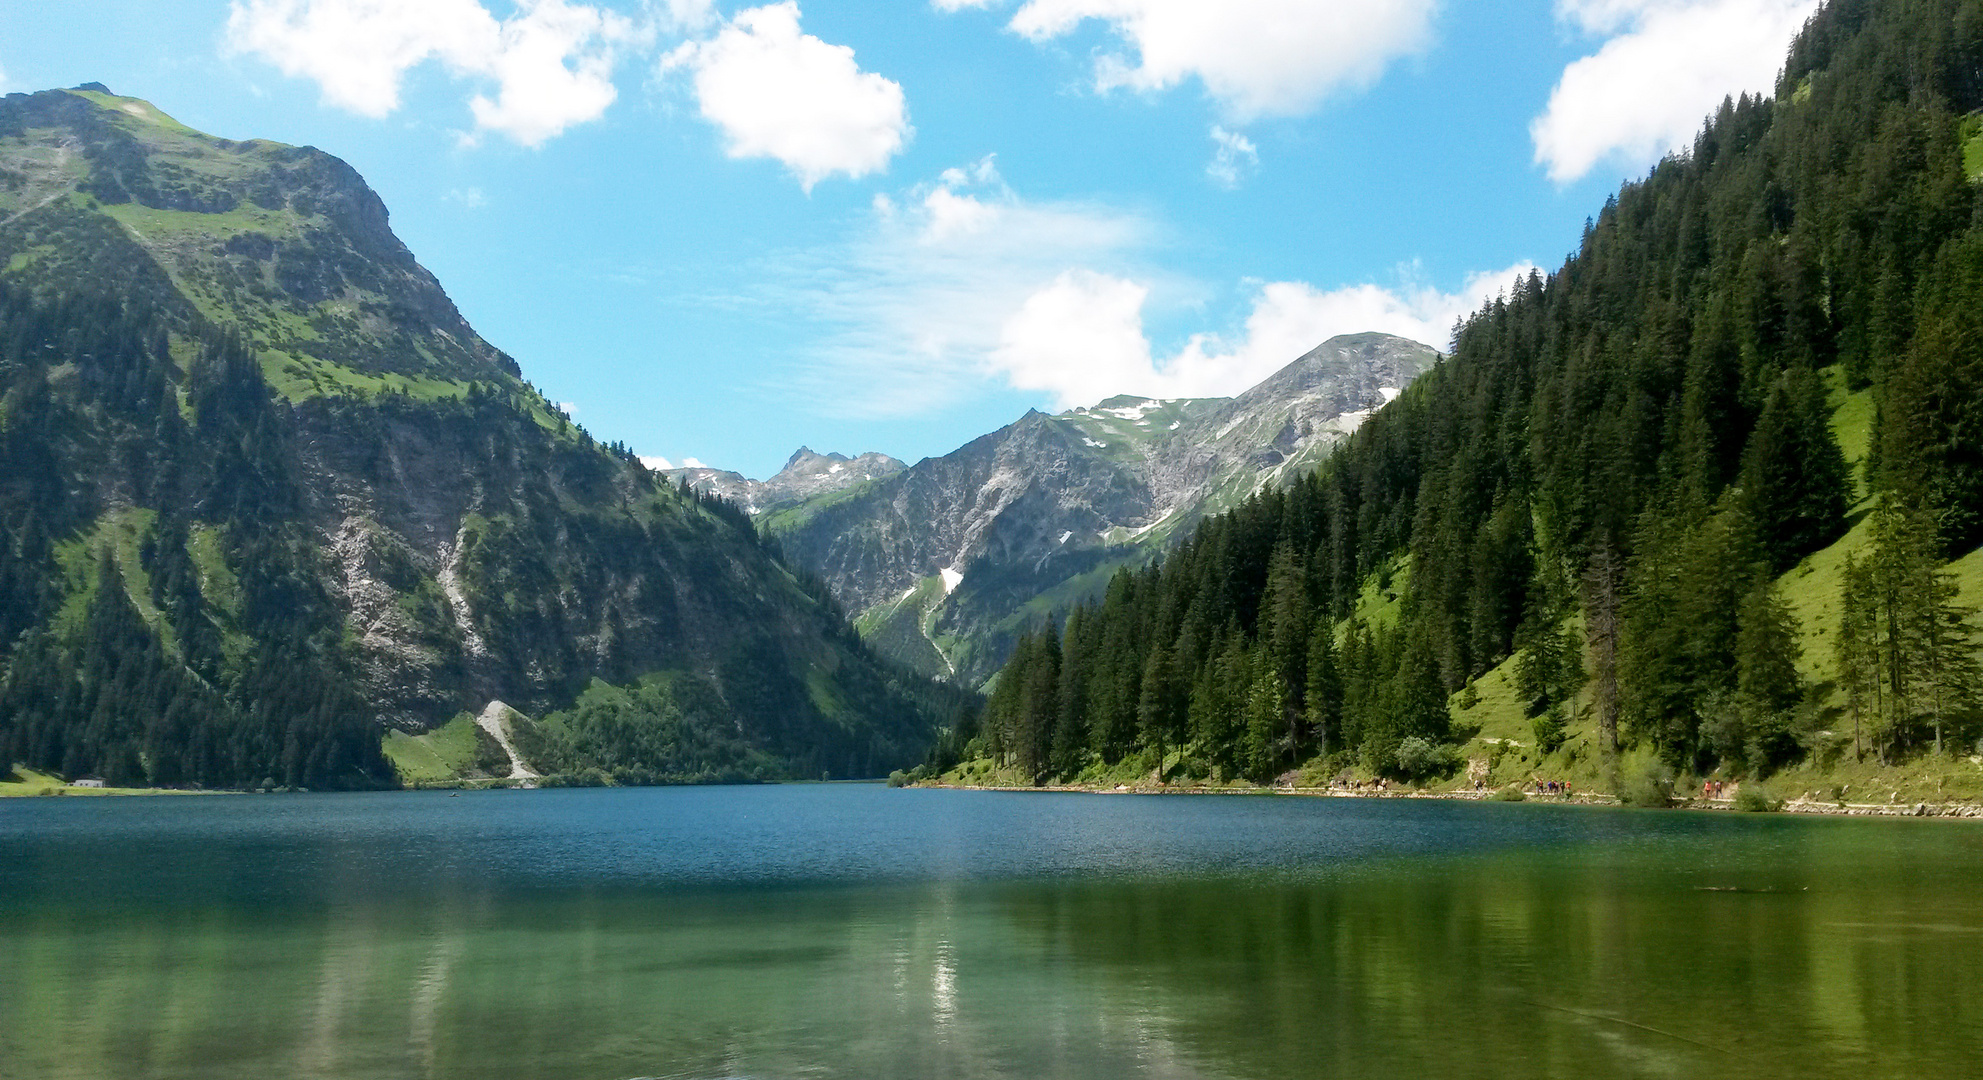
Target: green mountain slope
x: 1631, y: 502
x: 264, y: 495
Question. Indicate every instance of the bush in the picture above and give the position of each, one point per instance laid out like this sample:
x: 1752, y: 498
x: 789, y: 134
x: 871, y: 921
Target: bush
x: 1511, y: 793
x: 1419, y: 758
x: 1754, y: 798
x: 1548, y: 730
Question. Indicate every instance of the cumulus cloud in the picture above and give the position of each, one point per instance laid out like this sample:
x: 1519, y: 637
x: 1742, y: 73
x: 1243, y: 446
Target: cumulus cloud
x: 1256, y: 57
x: 777, y: 92
x: 551, y: 61
x: 961, y: 282
x: 470, y: 198
x: 1081, y: 338
x: 911, y: 305
x: 553, y: 68
x: 1233, y: 156
x: 656, y: 463
x: 1666, y: 65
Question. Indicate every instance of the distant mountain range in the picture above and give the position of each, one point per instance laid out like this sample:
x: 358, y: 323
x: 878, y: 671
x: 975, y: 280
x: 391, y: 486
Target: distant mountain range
x: 946, y: 561
x: 807, y: 475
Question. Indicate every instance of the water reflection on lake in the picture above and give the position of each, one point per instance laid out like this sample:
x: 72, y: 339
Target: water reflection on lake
x: 853, y: 931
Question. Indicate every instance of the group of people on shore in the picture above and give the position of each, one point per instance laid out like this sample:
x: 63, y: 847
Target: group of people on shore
x: 1714, y: 789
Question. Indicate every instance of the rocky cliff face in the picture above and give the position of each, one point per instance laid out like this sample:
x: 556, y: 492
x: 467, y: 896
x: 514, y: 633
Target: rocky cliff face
x: 222, y: 373
x: 948, y: 559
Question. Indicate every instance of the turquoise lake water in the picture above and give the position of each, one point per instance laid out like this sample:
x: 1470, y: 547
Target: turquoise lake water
x: 830, y: 931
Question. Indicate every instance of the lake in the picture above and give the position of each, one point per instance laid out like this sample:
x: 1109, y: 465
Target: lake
x: 829, y: 931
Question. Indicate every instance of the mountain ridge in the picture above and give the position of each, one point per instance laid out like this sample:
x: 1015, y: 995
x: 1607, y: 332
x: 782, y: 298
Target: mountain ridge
x: 944, y: 561
x: 265, y: 495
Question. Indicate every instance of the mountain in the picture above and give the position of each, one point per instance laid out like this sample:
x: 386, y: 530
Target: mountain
x: 1706, y: 501
x: 806, y: 476
x: 946, y: 561
x: 265, y: 496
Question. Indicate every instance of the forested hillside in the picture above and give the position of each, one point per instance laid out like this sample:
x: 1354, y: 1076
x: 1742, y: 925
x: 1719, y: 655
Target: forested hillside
x: 1607, y: 488
x: 265, y: 496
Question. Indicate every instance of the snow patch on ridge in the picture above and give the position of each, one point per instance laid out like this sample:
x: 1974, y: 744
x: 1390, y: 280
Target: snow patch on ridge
x: 951, y: 579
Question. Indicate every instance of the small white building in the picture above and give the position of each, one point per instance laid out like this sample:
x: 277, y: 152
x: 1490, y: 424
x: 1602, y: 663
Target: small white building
x: 87, y: 781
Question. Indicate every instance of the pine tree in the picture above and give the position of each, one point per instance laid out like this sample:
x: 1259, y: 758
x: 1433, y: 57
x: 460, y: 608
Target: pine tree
x: 1324, y: 692
x: 1794, y: 478
x: 1265, y: 700
x: 1768, y: 687
x: 1161, y: 707
x: 1906, y: 648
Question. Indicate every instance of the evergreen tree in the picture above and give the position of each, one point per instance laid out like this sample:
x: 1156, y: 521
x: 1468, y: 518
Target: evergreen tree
x: 1768, y: 687
x: 1794, y: 478
x: 1324, y: 692
x: 1163, y: 704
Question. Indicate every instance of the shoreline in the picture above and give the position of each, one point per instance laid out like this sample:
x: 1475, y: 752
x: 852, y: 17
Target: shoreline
x: 1792, y: 806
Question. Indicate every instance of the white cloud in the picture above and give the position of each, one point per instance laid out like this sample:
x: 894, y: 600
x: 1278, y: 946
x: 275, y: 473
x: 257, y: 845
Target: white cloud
x: 1233, y: 156
x: 554, y: 69
x: 780, y: 93
x: 1257, y: 57
x: 690, y: 14
x: 1081, y: 338
x: 470, y: 198
x: 1666, y: 66
x: 656, y: 463
x: 6, y: 84
x: 911, y: 307
x: 551, y: 61
x: 934, y: 303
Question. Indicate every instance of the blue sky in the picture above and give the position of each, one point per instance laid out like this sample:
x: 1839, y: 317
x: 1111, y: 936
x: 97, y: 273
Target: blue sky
x: 722, y: 231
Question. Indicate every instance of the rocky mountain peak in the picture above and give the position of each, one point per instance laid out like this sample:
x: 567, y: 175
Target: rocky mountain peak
x: 287, y: 246
x: 806, y: 474
x: 945, y: 556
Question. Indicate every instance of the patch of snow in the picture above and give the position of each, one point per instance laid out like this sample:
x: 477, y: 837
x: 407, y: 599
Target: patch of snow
x: 1066, y: 535
x: 908, y: 592
x: 951, y: 579
x: 834, y: 469
x: 1175, y: 424
x: 1348, y: 422
x: 1135, y: 412
x: 1390, y: 393
x: 1093, y: 443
